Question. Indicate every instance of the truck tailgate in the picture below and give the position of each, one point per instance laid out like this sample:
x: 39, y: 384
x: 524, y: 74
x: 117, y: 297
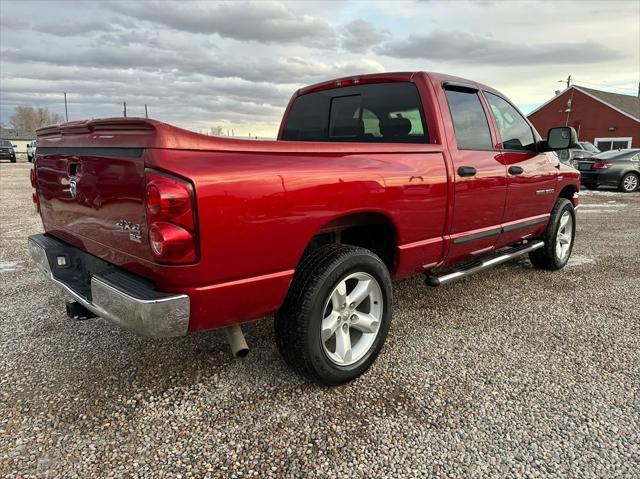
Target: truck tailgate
x: 94, y: 193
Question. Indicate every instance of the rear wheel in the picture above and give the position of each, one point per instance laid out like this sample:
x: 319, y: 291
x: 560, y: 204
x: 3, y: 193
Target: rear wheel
x: 558, y: 238
x: 629, y: 183
x: 337, y: 314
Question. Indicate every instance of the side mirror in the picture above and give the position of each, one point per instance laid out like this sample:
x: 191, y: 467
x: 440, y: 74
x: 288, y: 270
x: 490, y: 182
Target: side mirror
x: 14, y: 146
x: 561, y: 138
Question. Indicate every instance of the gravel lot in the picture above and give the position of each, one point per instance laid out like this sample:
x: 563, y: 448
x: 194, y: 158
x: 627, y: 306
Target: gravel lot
x: 532, y: 374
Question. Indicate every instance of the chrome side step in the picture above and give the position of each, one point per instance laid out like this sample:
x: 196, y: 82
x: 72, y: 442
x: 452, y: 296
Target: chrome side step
x: 483, y: 263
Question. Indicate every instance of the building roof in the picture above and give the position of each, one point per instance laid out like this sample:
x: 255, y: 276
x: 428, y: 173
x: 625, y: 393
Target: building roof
x: 628, y: 105
x: 10, y: 134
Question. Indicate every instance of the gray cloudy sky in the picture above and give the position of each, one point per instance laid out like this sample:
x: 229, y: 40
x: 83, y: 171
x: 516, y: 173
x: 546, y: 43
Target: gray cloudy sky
x: 235, y: 64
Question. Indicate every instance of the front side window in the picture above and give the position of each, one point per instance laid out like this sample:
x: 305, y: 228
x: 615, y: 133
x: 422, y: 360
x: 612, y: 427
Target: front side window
x: 381, y: 112
x: 515, y: 132
x: 469, y: 121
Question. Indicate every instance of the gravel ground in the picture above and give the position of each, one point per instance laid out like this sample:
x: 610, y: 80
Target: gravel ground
x: 533, y: 374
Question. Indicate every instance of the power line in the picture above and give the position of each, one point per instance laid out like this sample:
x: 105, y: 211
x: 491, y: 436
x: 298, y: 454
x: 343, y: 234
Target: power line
x: 608, y: 87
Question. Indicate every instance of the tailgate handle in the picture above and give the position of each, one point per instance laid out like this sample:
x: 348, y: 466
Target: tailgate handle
x: 467, y: 171
x: 73, y: 168
x: 516, y: 170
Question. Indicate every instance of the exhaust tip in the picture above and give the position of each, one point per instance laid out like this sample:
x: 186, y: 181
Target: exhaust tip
x: 242, y: 353
x: 237, y: 343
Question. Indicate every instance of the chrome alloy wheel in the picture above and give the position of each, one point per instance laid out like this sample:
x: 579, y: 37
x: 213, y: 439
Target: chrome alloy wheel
x: 352, y: 317
x: 630, y: 183
x: 564, y: 236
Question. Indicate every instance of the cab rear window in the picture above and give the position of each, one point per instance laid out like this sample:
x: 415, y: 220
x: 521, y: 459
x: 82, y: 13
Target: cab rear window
x: 381, y: 112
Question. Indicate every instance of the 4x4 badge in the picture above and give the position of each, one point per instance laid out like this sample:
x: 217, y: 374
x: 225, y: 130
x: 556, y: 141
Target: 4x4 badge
x: 133, y: 228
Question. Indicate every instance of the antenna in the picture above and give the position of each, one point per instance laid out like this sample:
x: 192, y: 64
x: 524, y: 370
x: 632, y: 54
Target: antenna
x: 66, y: 112
x: 568, y: 80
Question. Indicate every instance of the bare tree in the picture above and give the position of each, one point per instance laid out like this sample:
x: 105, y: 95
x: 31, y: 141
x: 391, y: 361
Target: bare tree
x: 217, y: 131
x: 29, y: 119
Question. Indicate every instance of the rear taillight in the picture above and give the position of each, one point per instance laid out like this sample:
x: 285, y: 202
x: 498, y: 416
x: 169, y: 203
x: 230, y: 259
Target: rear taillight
x: 171, y: 218
x: 602, y: 165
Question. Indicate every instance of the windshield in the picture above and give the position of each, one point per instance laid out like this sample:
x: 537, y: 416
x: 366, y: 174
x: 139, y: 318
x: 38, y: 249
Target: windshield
x: 589, y: 147
x: 5, y: 143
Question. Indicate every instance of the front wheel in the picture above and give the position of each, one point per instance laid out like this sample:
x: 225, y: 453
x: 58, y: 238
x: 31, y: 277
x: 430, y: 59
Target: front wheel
x: 629, y: 183
x: 337, y: 313
x: 558, y: 238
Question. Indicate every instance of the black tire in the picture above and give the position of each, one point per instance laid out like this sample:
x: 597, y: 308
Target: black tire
x: 298, y: 323
x: 546, y: 257
x: 628, y: 178
x: 13, y: 160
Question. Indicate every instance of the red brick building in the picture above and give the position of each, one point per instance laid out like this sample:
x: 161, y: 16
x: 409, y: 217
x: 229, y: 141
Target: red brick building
x: 608, y: 120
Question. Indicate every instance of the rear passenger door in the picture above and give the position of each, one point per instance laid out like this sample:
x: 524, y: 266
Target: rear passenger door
x: 479, y: 175
x: 532, y: 176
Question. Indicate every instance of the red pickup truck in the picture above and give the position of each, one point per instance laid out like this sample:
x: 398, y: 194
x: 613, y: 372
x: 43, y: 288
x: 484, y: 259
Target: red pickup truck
x: 165, y: 231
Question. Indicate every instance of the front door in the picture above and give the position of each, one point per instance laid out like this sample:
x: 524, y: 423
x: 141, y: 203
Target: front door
x: 479, y: 176
x: 532, y: 176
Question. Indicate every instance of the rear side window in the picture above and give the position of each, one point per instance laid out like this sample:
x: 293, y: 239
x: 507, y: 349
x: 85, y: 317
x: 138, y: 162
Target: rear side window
x: 382, y: 112
x: 469, y: 121
x: 515, y: 132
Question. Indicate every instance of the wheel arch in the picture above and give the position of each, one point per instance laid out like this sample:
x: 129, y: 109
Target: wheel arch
x: 568, y: 192
x: 372, y: 230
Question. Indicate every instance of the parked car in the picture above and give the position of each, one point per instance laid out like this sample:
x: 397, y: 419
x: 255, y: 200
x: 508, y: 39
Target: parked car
x: 582, y: 149
x: 7, y: 151
x: 619, y: 168
x: 31, y: 150
x: 164, y: 231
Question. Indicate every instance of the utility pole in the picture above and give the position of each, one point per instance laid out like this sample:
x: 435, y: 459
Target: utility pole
x: 66, y: 111
x: 125, y: 108
x: 146, y: 113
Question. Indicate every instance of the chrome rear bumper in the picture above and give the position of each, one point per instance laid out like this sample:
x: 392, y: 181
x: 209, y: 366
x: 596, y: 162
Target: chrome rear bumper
x: 110, y: 293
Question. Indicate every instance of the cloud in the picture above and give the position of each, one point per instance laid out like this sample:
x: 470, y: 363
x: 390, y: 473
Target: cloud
x: 194, y: 60
x: 222, y: 62
x: 462, y: 47
x: 268, y: 22
x: 68, y: 28
x: 360, y: 36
